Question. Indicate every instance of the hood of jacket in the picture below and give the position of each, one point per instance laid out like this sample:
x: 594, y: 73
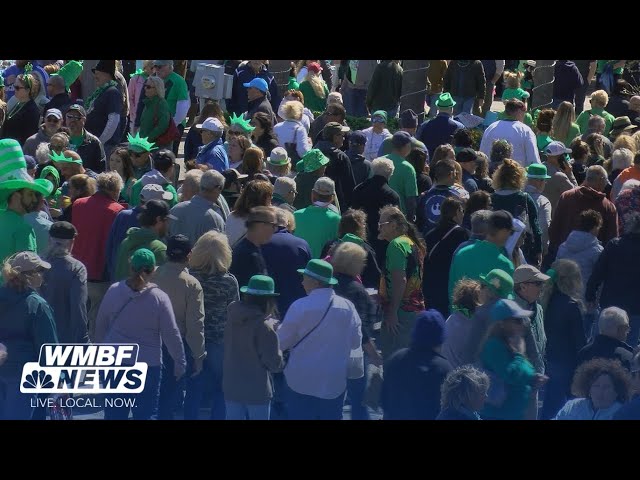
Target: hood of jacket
x: 579, y: 241
x: 589, y: 194
x: 242, y: 314
x: 153, y: 177
x: 138, y: 237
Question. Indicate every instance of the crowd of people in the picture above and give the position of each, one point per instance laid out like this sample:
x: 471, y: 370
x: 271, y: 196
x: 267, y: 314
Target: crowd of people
x: 474, y: 264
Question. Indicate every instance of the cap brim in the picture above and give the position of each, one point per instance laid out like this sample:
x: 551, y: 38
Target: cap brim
x: 539, y: 177
x: 344, y: 129
x: 44, y: 264
x: 244, y: 290
x: 167, y: 196
x: 331, y: 281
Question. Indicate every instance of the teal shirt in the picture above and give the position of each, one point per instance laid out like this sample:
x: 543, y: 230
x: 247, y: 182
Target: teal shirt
x: 403, y: 181
x: 316, y: 225
x: 17, y: 235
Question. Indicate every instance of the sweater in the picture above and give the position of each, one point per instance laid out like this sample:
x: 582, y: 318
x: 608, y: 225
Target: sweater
x: 584, y: 249
x: 138, y: 238
x: 385, y: 87
x: 567, y: 80
x: 144, y: 317
x: 251, y: 353
x: 195, y: 217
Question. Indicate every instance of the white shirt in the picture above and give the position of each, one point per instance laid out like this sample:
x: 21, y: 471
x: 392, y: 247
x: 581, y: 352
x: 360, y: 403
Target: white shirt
x: 286, y: 131
x: 318, y: 366
x: 374, y: 140
x: 235, y: 228
x: 519, y: 135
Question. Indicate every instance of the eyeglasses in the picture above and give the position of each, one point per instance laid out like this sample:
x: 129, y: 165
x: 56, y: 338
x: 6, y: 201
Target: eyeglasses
x: 149, y: 86
x: 18, y: 87
x: 73, y: 117
x: 382, y: 223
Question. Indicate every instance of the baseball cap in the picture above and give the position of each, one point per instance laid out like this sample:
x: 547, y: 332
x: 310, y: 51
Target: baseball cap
x: 333, y: 128
x: 501, y: 220
x: 162, y: 63
x: 27, y: 262
x: 157, y: 208
x: 325, y: 186
x: 231, y: 175
x: 400, y: 139
x: 78, y: 108
x: 529, y: 273
x: 178, y: 246
x: 357, y: 138
x: 556, y: 148
x: 63, y: 231
x: 212, y: 124
x: 466, y: 155
x: 504, y: 309
x: 153, y: 191
x: 143, y: 258
x: 259, y: 83
x: 31, y: 162
x: 54, y: 112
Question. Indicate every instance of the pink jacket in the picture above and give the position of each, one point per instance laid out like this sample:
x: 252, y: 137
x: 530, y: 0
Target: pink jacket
x: 135, y: 89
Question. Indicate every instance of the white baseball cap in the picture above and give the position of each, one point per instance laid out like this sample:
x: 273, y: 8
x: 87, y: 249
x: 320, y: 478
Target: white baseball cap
x: 212, y: 124
x: 153, y: 191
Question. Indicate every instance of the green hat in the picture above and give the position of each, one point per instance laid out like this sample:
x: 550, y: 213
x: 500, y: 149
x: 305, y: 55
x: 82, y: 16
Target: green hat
x: 13, y: 172
x: 59, y: 157
x: 51, y: 170
x: 142, y: 258
x: 293, y: 84
x: 445, y: 100
x: 70, y: 72
x: 313, y: 160
x: 379, y: 113
x: 260, y: 285
x: 241, y: 122
x: 139, y: 144
x: 278, y: 157
x: 500, y: 282
x: 350, y: 237
x: 537, y: 170
x: 320, y: 270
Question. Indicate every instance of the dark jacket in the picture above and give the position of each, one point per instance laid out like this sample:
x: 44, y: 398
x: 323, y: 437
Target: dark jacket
x: 567, y: 80
x: 260, y: 104
x: 424, y: 182
x: 437, y: 262
x: 618, y: 105
x: 371, y: 273
x: 192, y: 143
x: 247, y: 261
x: 238, y: 102
x: 22, y: 124
x: 349, y: 288
x: 618, y: 270
x: 92, y: 153
x: 452, y: 414
x: 267, y: 143
x: 411, y: 387
x: 65, y: 289
x: 361, y: 168
x: 438, y: 131
x: 607, y: 347
x: 339, y: 170
x: 429, y: 205
x: 385, y: 87
x: 566, y: 215
x: 61, y: 101
x: 564, y: 329
x: 370, y: 196
x: 629, y: 411
x: 284, y: 255
x: 465, y: 82
x: 521, y: 206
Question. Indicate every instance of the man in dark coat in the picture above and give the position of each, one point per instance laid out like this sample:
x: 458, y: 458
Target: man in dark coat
x: 613, y: 327
x: 238, y: 103
x: 339, y: 167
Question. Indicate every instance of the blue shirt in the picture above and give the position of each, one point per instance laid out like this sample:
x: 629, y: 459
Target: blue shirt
x: 438, y: 131
x: 214, y: 155
x: 468, y: 182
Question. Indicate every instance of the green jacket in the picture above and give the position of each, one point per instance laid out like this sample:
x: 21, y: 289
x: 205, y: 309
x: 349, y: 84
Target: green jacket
x: 583, y: 120
x: 155, y: 118
x: 515, y: 371
x: 138, y: 238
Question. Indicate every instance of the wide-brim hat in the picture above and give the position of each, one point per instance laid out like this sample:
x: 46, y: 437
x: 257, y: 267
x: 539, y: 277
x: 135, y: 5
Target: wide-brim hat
x: 537, y: 171
x: 320, y: 270
x: 313, y: 160
x: 14, y: 175
x: 260, y: 285
x: 622, y: 124
x: 445, y: 100
x: 278, y: 157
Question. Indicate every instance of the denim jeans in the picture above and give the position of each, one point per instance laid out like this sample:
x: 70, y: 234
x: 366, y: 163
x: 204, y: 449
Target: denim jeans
x: 14, y: 405
x: 146, y: 402
x: 172, y: 390
x: 557, y: 389
x: 355, y: 101
x: 463, y: 104
x: 306, y: 407
x: 279, y: 400
x: 355, y: 390
x: 243, y: 411
x: 431, y: 101
x: 212, y: 376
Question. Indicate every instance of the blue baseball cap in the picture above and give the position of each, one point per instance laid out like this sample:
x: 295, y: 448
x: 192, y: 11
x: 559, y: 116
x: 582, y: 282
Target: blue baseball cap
x: 259, y: 83
x: 505, y: 308
x: 357, y: 138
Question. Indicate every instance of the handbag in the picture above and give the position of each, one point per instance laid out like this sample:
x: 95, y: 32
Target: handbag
x: 287, y: 353
x: 291, y: 148
x: 171, y: 134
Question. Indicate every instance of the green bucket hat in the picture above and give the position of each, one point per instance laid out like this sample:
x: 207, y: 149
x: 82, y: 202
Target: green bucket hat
x: 445, y: 100
x: 500, y: 282
x: 14, y: 175
x: 537, y: 170
x: 379, y: 113
x: 312, y: 161
x: 320, y: 270
x: 260, y: 285
x: 139, y: 144
x: 51, y: 170
x: 143, y: 258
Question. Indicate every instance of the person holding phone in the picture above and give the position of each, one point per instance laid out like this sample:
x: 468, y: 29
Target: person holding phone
x: 561, y: 172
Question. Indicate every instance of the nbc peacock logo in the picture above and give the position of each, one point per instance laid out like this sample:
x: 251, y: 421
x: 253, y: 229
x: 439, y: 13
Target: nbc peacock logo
x: 38, y: 379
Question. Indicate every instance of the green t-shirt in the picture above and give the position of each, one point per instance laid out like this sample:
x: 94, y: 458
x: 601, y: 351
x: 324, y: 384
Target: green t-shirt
x: 574, y: 132
x: 17, y: 235
x: 403, y: 255
x: 601, y: 63
x: 518, y: 93
x: 76, y: 141
x: 403, y: 181
x: 175, y: 90
x: 583, y: 120
x: 316, y: 225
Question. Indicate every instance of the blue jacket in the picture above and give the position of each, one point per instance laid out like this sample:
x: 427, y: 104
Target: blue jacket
x: 238, y: 103
x: 125, y: 219
x: 438, y: 131
x: 582, y: 409
x: 284, y: 254
x: 213, y: 155
x: 26, y: 322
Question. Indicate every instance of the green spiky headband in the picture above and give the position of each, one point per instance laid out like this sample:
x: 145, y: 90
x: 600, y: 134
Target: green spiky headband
x: 138, y: 143
x: 59, y: 157
x: 28, y: 68
x: 241, y: 122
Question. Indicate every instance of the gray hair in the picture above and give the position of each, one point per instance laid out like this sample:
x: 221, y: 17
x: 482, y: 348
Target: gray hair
x: 58, y: 80
x: 282, y: 219
x: 192, y: 178
x: 158, y: 83
x: 109, y: 182
x: 596, y: 173
x: 569, y: 280
x: 383, y: 166
x: 632, y: 222
x: 460, y: 385
x: 42, y: 153
x: 334, y: 97
x: 284, y: 185
x: 610, y: 319
x: 480, y: 222
x: 629, y: 185
x: 621, y: 158
x: 595, y: 122
x: 210, y: 180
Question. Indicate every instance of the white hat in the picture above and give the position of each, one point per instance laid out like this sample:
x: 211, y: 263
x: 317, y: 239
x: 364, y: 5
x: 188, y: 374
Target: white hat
x: 212, y: 124
x: 153, y: 191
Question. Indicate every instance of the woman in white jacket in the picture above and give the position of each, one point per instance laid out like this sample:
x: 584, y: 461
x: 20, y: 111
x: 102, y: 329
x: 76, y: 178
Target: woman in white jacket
x: 291, y: 133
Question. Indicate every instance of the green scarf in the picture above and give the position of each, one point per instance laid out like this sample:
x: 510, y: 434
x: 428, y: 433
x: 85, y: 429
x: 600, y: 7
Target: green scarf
x: 98, y: 92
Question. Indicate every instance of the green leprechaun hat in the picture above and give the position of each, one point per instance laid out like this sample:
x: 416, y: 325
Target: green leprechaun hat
x: 241, y: 122
x: 70, y: 72
x: 13, y: 172
x: 140, y: 144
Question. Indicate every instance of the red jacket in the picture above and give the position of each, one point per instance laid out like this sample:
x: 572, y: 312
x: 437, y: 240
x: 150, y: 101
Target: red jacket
x: 566, y: 216
x: 92, y: 217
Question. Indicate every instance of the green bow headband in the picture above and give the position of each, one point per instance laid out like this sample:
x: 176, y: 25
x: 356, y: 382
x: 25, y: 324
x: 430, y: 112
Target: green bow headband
x: 59, y: 157
x: 28, y: 68
x: 241, y: 122
x: 140, y: 143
